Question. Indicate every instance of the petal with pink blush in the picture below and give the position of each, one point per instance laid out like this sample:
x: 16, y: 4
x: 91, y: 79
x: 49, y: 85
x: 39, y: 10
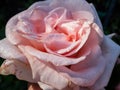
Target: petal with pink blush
x: 44, y: 72
x: 9, y: 51
x: 37, y: 20
x: 25, y: 27
x: 76, y: 6
x: 11, y: 34
x: 47, y: 57
x: 63, y: 50
x: 86, y: 73
x: 98, y: 31
x: 54, y: 17
x: 83, y: 34
x: 37, y: 14
x: 55, y: 41
x: 69, y: 28
x: 96, y: 35
x: 69, y: 48
x: 21, y: 70
x: 83, y: 15
x: 61, y: 14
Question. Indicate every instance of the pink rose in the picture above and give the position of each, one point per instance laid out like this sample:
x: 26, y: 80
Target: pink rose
x: 59, y: 44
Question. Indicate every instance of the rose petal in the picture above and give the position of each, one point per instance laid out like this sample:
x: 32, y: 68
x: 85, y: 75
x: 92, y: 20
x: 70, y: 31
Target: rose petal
x: 111, y: 52
x: 77, y: 5
x: 36, y: 17
x: 54, y: 17
x: 45, y: 86
x: 11, y: 34
x: 83, y: 34
x: 83, y: 15
x: 55, y: 41
x: 86, y: 73
x: 15, y: 67
x: 9, y: 51
x: 97, y: 20
x: 41, y: 4
x: 96, y: 35
x: 56, y: 60
x: 44, y: 72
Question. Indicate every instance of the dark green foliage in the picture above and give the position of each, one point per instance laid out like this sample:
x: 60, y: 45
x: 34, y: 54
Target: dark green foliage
x: 108, y: 11
x: 11, y: 83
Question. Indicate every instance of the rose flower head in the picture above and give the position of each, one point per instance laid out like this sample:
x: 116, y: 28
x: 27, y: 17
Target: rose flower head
x: 60, y: 45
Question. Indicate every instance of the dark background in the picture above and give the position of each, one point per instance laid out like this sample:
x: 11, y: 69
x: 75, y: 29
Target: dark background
x: 109, y: 14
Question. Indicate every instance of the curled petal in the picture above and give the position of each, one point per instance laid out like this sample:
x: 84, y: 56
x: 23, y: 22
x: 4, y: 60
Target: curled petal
x: 21, y: 70
x: 45, y: 86
x: 82, y: 73
x: 83, y: 34
x: 77, y: 5
x: 11, y: 34
x: 54, y: 17
x: 9, y: 51
x: 96, y: 35
x: 47, y: 57
x: 44, y: 72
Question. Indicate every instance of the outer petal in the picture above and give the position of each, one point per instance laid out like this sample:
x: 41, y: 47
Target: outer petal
x: 72, y: 6
x: 111, y: 52
x: 9, y: 51
x: 86, y: 72
x: 45, y: 86
x: 11, y: 34
x: 77, y: 5
x: 15, y: 67
x: 84, y: 15
x: 43, y: 4
x: 97, y: 20
x: 44, y: 72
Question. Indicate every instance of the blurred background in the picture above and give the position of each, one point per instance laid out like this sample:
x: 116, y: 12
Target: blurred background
x: 108, y: 11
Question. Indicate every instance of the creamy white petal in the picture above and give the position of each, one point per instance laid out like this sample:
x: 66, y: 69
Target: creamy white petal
x: 21, y: 70
x: 10, y: 51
